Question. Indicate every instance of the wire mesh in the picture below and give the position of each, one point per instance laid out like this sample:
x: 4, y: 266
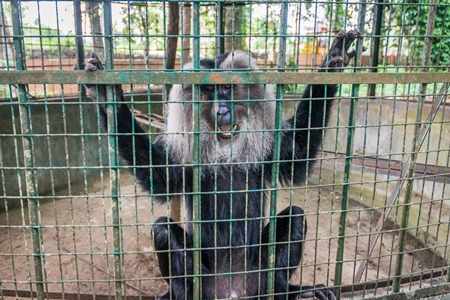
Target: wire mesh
x: 78, y: 220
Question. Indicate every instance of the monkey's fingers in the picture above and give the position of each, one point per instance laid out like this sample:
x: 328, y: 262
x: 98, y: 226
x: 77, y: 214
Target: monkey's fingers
x: 325, y: 294
x: 350, y: 37
x: 94, y: 63
x: 336, y: 63
x: 338, y: 41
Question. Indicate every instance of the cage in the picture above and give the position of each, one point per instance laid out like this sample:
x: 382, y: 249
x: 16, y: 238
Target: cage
x: 176, y: 171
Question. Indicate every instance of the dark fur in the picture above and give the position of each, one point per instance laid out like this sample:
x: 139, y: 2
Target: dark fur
x: 237, y: 194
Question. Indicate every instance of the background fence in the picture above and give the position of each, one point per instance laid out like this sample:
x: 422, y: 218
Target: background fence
x: 75, y: 224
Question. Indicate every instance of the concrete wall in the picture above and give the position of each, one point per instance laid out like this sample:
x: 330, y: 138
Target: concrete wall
x: 385, y: 129
x: 66, y: 155
x: 63, y: 157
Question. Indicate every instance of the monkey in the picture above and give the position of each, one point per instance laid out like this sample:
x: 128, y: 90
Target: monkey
x: 237, y: 142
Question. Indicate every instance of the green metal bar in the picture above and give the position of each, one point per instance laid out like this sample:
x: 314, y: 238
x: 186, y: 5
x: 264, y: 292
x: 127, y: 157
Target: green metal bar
x: 404, y: 172
x: 113, y: 153
x: 440, y: 291
x: 25, y: 117
x: 376, y: 44
x: 349, y: 157
x: 276, y: 157
x: 221, y: 28
x: 79, y: 40
x: 196, y: 199
x: 192, y: 77
x: 416, y: 143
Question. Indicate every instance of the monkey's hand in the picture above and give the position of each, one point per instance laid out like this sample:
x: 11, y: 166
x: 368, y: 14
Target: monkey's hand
x: 338, y: 56
x: 97, y: 92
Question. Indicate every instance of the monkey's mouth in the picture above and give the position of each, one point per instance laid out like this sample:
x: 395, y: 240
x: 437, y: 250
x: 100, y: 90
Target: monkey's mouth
x: 226, y: 132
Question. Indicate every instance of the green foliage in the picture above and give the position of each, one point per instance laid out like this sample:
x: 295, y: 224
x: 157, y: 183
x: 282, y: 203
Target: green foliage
x: 141, y: 20
x: 337, y: 10
x: 48, y: 40
x: 414, y: 17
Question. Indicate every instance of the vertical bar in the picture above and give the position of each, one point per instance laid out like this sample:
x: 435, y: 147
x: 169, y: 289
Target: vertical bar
x: 79, y: 40
x: 416, y: 143
x: 276, y: 154
x: 221, y: 28
x: 376, y: 44
x: 196, y: 188
x: 25, y: 117
x: 112, y: 150
x: 349, y: 157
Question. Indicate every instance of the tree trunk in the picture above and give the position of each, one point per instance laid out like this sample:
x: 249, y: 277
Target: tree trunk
x: 233, y: 26
x: 171, y: 51
x: 172, y: 29
x: 187, y: 19
x: 93, y: 11
x: 6, y: 46
x: 7, y: 49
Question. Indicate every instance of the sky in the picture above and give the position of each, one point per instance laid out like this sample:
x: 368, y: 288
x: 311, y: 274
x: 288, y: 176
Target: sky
x: 48, y: 14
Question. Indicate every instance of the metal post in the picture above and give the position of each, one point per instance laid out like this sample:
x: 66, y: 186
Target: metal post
x: 376, y: 44
x: 196, y: 201
x: 416, y: 143
x: 113, y: 152
x: 221, y: 28
x: 349, y: 156
x: 79, y: 40
x: 276, y: 156
x: 27, y: 133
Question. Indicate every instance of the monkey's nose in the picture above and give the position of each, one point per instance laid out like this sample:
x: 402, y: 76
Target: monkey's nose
x: 223, y: 116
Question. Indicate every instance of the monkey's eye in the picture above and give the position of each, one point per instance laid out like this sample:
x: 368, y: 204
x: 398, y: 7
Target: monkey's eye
x: 226, y: 86
x: 208, y: 88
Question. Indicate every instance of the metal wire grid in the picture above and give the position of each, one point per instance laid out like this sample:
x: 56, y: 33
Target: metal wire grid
x: 375, y: 143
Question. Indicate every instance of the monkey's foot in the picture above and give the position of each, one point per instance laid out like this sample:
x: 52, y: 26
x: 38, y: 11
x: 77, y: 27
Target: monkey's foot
x: 320, y: 292
x: 338, y: 56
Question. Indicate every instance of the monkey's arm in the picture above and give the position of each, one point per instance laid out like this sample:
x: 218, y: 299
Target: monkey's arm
x: 303, y: 142
x: 150, y: 163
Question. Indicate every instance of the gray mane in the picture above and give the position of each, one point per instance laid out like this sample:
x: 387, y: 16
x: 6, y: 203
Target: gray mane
x: 255, y: 116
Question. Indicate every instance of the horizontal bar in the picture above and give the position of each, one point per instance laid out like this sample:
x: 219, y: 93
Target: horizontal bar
x: 241, y: 2
x: 202, y: 77
x: 211, y: 2
x: 347, y: 289
x: 410, y: 278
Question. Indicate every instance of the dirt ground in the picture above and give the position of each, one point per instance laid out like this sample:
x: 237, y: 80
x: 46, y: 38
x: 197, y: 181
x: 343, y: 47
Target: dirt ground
x: 79, y: 255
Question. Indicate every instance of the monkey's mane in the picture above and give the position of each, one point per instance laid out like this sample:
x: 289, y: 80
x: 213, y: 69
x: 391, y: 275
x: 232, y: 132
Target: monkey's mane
x: 255, y: 117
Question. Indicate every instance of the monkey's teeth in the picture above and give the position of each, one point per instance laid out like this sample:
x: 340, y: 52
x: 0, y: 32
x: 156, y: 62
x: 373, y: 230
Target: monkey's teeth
x: 227, y: 131
x: 228, y: 128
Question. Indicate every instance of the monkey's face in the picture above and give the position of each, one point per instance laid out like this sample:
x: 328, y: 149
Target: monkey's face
x: 236, y: 121
x: 223, y: 109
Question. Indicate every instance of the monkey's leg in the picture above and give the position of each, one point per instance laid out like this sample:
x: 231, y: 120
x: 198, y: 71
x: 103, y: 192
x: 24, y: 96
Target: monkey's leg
x: 173, y: 257
x: 290, y: 233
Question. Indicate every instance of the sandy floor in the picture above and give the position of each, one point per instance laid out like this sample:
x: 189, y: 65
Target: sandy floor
x: 78, y: 242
